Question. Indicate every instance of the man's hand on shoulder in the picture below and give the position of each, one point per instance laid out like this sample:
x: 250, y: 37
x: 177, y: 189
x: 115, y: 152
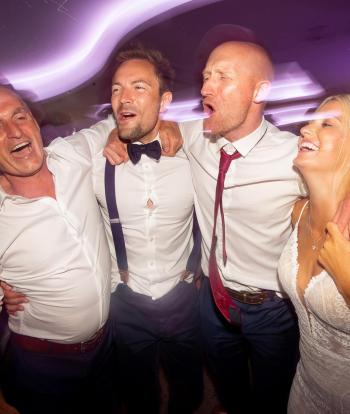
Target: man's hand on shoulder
x: 170, y: 137
x: 115, y: 150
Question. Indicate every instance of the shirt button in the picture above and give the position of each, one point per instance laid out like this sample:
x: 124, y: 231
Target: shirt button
x: 151, y: 264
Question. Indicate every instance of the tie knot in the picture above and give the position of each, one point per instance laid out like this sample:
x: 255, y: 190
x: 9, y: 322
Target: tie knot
x: 226, y: 159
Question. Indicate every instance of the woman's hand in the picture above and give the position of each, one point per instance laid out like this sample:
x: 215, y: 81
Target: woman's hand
x: 335, y: 258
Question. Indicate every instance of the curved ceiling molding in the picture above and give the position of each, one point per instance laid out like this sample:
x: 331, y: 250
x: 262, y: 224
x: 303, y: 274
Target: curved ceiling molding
x: 82, y: 61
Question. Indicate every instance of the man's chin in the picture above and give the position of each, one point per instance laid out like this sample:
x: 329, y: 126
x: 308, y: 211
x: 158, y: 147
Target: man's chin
x: 127, y: 136
x: 209, y: 127
x: 130, y: 134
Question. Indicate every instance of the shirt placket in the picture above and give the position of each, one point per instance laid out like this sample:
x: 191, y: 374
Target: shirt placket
x: 151, y: 222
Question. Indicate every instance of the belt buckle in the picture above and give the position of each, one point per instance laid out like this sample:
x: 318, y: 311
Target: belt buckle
x: 264, y: 295
x: 253, y: 298
x: 258, y: 298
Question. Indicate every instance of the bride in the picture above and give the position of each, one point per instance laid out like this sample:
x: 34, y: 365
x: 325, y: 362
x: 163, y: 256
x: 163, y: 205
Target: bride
x: 317, y: 278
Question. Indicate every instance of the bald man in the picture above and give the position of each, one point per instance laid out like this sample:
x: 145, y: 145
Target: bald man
x: 252, y: 359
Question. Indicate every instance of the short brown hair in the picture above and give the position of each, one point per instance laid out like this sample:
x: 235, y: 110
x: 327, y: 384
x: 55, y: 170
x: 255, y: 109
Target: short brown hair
x: 164, y: 72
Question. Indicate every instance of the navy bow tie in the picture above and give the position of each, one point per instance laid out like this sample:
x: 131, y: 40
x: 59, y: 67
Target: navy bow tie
x: 152, y: 150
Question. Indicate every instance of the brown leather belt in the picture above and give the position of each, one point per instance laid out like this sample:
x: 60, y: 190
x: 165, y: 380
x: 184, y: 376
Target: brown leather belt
x: 251, y: 298
x: 30, y: 343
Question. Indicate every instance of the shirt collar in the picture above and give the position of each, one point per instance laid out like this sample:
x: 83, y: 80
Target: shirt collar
x: 245, y: 144
x: 156, y: 138
x: 14, y: 197
x: 3, y: 196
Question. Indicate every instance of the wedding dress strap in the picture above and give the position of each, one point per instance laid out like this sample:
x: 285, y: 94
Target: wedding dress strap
x: 301, y: 213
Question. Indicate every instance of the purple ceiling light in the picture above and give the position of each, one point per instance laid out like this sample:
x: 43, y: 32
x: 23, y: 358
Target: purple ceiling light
x: 291, y: 113
x: 177, y: 111
x: 292, y: 82
x: 83, y: 60
x: 299, y: 113
x: 184, y: 111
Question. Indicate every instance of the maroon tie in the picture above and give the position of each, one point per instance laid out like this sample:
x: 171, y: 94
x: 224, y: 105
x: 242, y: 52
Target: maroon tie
x: 222, y: 299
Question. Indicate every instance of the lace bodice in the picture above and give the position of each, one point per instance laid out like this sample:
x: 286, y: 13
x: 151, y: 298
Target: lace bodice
x: 322, y: 381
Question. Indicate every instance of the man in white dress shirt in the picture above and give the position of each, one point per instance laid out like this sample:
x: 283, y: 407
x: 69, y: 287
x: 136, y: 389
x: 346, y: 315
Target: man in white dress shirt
x: 54, y: 249
x: 253, y: 364
x: 155, y: 309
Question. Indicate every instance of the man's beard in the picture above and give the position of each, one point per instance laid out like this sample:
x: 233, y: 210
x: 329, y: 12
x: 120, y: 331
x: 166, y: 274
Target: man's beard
x: 135, y: 134
x: 138, y: 132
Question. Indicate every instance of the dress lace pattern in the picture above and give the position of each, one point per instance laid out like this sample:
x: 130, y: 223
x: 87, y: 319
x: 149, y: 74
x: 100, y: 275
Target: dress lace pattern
x: 322, y: 381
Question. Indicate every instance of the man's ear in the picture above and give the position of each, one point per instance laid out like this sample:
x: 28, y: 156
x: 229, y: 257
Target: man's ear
x: 165, y: 101
x: 262, y: 91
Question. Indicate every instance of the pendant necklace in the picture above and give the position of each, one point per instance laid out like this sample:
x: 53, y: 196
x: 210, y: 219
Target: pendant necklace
x: 314, y: 243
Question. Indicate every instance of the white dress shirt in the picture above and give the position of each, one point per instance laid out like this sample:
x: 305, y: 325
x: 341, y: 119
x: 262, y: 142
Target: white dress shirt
x: 155, y: 203
x: 260, y: 190
x: 56, y: 252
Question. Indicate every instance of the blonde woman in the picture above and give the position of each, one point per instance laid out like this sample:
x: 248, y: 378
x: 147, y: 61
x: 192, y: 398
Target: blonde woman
x: 317, y: 278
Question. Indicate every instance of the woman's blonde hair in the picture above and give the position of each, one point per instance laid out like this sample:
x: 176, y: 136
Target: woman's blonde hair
x: 342, y: 179
x: 344, y: 101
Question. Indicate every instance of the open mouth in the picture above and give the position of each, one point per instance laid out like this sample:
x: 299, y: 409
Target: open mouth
x: 125, y: 115
x: 307, y: 146
x: 21, y: 148
x: 208, y: 108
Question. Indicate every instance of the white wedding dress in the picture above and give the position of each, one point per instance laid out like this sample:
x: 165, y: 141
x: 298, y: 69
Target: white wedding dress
x: 322, y: 381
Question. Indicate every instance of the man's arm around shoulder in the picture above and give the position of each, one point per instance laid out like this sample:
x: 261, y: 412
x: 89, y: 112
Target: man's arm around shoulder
x: 88, y: 142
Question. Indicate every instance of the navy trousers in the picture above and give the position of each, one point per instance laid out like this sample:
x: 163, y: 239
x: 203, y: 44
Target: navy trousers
x: 252, y: 367
x: 69, y: 383
x: 153, y: 333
